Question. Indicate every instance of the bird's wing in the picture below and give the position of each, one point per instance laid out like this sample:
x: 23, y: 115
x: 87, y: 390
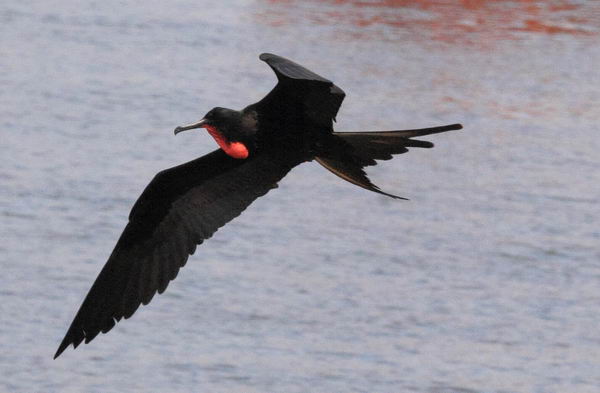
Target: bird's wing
x: 319, y: 98
x: 180, y: 208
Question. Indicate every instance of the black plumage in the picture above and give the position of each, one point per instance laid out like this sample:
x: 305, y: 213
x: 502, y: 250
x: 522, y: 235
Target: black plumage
x: 185, y: 205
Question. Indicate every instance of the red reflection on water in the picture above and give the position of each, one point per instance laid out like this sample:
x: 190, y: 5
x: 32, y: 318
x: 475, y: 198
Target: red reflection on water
x: 463, y: 21
x: 536, y: 26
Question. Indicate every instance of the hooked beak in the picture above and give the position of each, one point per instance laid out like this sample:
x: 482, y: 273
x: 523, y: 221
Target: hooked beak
x: 199, y: 124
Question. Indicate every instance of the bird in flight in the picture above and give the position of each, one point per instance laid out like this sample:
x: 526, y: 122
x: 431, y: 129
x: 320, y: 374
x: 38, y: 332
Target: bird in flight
x: 185, y: 205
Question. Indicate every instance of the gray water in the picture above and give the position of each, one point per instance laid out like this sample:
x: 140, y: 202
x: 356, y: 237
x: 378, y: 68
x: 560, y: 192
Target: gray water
x: 487, y: 280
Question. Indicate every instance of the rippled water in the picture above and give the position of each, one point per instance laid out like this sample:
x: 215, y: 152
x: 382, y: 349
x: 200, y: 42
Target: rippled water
x: 486, y: 281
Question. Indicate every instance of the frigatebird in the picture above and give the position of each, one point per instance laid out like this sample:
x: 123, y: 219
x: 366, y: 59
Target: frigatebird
x: 184, y: 205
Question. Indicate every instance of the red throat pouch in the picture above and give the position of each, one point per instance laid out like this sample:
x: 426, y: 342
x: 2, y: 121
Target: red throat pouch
x: 234, y: 149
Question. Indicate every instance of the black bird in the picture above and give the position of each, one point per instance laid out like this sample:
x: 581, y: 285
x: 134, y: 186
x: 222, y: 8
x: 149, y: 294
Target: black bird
x: 185, y: 205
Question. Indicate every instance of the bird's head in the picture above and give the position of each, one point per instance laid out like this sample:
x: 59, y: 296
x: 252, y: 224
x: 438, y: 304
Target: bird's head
x: 225, y: 126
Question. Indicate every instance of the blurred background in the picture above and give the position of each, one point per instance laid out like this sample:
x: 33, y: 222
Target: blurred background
x: 487, y: 280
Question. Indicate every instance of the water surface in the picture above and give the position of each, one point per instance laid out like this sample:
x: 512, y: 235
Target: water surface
x: 485, y: 281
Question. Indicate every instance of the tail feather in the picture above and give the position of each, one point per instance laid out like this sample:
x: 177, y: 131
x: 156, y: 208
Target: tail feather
x: 405, y: 133
x: 356, y: 150
x: 352, y: 173
x: 381, y: 145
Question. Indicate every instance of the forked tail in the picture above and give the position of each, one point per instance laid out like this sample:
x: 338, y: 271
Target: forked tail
x: 356, y: 150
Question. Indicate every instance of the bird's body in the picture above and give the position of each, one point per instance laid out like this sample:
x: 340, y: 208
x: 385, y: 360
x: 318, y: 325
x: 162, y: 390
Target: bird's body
x: 185, y: 205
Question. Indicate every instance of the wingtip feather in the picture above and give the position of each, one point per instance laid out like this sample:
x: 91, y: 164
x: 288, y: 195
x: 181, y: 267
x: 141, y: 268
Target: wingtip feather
x: 63, y: 345
x: 266, y: 56
x: 58, y: 352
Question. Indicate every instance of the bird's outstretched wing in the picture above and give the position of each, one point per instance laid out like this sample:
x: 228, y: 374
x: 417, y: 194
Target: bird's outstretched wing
x: 301, y: 92
x: 180, y: 208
